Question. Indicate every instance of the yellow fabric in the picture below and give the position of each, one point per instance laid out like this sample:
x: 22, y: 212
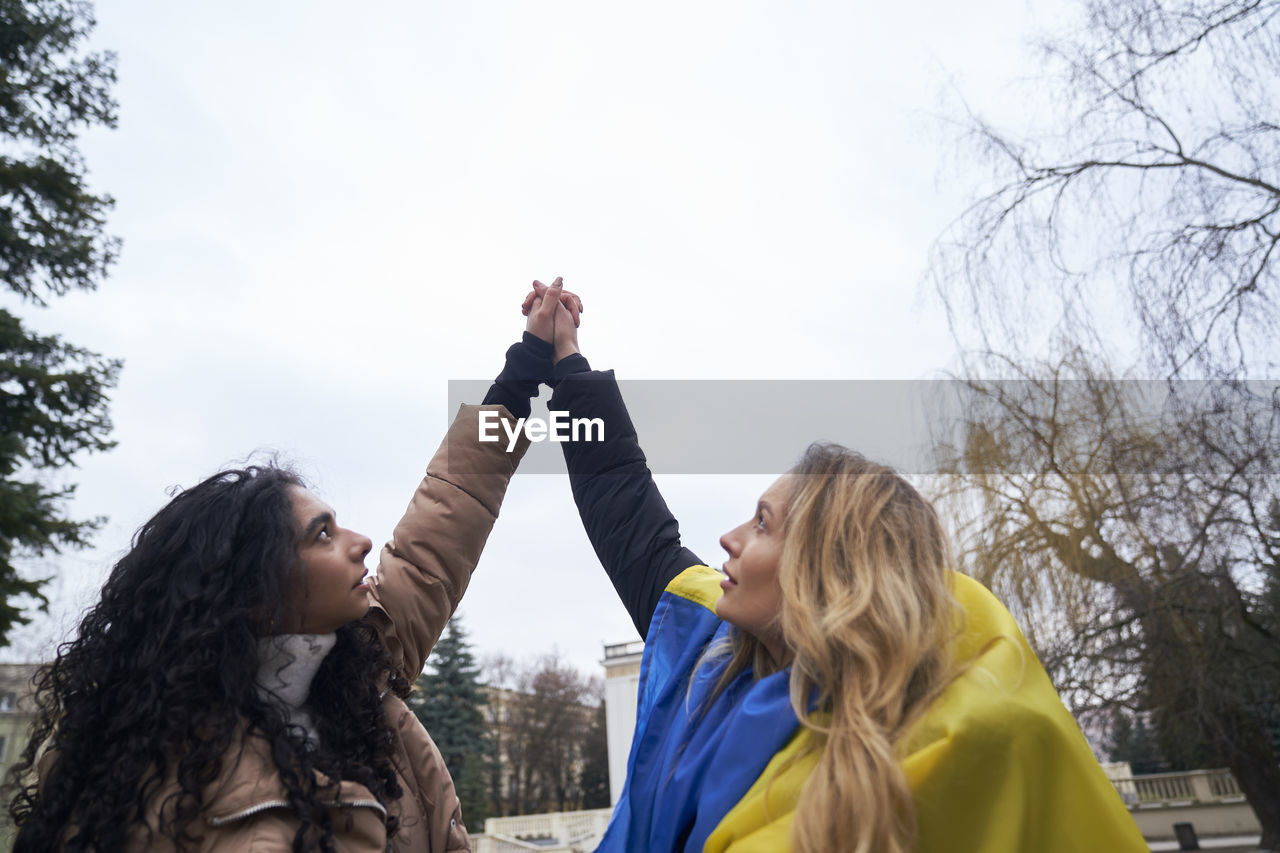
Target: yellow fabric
x: 699, y: 584
x: 996, y: 764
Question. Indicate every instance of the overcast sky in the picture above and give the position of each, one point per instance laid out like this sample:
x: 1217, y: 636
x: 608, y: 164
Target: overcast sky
x: 329, y: 211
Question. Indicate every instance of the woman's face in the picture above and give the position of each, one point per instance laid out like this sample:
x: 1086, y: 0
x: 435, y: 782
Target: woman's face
x: 752, y: 597
x: 329, y: 591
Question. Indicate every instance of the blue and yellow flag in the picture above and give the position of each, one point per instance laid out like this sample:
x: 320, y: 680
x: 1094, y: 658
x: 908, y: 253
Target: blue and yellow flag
x: 996, y: 764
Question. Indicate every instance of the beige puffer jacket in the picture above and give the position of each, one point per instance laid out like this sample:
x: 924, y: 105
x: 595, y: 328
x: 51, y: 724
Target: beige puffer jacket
x: 422, y: 573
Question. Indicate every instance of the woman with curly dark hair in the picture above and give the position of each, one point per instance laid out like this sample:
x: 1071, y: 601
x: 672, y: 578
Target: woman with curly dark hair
x: 240, y: 685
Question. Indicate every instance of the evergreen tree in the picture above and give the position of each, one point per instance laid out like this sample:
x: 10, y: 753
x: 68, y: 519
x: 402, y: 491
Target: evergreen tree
x: 1132, y: 741
x: 448, y: 701
x: 53, y: 401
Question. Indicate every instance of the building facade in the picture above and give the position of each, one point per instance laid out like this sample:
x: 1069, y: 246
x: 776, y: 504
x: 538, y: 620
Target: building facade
x: 621, y: 688
x: 17, y: 711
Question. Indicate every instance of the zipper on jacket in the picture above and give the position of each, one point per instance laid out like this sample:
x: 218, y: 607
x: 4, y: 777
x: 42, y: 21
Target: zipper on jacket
x: 276, y: 804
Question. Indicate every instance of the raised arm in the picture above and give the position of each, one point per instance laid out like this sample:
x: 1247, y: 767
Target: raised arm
x: 426, y: 566
x: 635, y: 536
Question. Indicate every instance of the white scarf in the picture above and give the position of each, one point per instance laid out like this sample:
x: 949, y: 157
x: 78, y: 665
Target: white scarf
x: 287, y: 663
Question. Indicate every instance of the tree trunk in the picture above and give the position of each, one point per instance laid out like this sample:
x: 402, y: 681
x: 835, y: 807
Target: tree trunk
x: 1258, y: 776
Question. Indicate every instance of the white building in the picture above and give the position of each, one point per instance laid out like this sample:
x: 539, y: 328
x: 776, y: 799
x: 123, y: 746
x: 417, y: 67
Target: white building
x: 621, y: 686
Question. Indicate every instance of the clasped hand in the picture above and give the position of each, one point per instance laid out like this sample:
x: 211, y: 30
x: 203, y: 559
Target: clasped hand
x: 554, y: 315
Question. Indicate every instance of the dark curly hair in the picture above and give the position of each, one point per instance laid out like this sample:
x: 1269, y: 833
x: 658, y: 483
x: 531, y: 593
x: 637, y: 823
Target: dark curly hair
x: 160, y: 680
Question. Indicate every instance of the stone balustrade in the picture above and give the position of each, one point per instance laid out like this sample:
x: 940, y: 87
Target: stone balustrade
x: 559, y: 832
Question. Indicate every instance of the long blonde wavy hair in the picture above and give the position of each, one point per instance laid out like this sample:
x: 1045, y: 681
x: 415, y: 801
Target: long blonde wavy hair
x: 868, y: 614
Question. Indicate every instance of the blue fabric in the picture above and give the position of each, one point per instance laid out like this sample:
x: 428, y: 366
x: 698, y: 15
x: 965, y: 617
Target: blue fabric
x: 689, y: 765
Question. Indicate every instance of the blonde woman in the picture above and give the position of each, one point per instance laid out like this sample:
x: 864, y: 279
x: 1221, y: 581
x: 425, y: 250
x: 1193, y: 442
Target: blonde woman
x: 838, y: 687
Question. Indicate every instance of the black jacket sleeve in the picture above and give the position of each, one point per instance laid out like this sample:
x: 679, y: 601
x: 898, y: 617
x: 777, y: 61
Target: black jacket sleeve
x: 528, y: 363
x: 634, y: 534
